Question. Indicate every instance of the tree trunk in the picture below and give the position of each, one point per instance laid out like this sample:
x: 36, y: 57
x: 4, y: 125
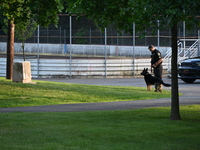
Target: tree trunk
x: 23, y: 49
x: 175, y: 115
x: 10, y: 49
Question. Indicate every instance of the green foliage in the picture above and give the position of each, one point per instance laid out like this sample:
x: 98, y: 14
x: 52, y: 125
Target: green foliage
x: 81, y: 32
x: 46, y: 11
x: 143, y: 129
x: 43, y: 11
x: 25, y: 30
x: 17, y: 9
x: 1, y: 18
x: 144, y: 13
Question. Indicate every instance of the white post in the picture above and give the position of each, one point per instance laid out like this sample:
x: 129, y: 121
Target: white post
x: 90, y: 36
x: 133, y: 49
x: 184, y: 35
x: 105, y: 50
x: 199, y: 43
x: 158, y: 35
x: 70, y: 42
x: 38, y: 51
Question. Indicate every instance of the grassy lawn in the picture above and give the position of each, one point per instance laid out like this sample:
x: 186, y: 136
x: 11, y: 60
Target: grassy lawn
x: 144, y: 129
x: 50, y: 93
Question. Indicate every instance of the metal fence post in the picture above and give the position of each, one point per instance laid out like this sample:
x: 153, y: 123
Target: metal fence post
x: 158, y: 34
x: 38, y: 51
x: 198, y: 42
x: 133, y: 49
x: 65, y: 45
x: 184, y: 35
x: 105, y: 50
x: 60, y: 35
x: 70, y: 24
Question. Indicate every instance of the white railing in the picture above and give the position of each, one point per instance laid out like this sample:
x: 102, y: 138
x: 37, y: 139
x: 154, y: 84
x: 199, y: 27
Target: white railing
x: 192, y: 51
x: 83, y: 67
x: 168, y: 55
x: 183, y: 52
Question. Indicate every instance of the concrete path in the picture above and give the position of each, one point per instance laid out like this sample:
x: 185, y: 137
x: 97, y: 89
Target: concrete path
x: 191, y: 95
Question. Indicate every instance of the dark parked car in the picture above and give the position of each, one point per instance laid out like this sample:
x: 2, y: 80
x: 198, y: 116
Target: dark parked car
x: 189, y: 69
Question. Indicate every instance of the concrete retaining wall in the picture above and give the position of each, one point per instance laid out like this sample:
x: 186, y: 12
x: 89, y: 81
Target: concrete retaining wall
x: 93, y: 50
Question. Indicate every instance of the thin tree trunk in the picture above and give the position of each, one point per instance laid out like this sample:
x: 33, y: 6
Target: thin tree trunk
x: 10, y: 49
x: 23, y: 49
x: 175, y: 114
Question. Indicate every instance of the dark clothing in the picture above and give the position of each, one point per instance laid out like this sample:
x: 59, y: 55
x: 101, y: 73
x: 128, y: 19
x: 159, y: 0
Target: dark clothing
x: 156, y: 55
x: 158, y: 71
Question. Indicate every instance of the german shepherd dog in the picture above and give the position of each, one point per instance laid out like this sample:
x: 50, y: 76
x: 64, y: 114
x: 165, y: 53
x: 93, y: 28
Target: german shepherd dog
x: 150, y: 80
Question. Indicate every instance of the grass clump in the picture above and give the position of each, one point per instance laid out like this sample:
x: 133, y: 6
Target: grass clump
x: 50, y: 93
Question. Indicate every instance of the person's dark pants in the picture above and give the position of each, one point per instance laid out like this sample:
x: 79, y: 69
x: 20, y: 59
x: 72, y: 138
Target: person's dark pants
x: 158, y: 71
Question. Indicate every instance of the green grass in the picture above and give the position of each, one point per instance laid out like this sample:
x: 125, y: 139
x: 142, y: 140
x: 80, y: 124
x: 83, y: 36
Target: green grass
x: 50, y: 93
x: 144, y: 129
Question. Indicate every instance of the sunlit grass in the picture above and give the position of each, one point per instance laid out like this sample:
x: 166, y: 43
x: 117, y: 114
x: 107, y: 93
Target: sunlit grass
x: 49, y: 93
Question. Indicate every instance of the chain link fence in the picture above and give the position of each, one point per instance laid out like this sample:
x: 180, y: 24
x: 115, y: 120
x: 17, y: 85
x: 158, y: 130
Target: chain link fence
x: 84, y: 32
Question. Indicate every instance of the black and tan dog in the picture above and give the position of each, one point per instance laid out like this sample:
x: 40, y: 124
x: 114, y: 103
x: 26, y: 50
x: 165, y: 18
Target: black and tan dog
x: 150, y: 80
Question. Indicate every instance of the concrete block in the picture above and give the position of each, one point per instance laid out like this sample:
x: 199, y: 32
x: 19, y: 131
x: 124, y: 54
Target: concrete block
x: 22, y: 72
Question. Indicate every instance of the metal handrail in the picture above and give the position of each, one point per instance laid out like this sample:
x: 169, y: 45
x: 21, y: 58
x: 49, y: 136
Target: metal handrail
x: 169, y: 55
x: 183, y: 53
x: 188, y: 52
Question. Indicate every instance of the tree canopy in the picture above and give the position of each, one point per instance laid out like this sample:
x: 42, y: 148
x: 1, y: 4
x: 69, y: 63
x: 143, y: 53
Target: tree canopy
x: 144, y: 13
x: 44, y: 12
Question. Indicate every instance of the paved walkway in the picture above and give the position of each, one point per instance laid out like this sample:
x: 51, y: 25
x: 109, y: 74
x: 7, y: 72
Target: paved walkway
x: 191, y: 95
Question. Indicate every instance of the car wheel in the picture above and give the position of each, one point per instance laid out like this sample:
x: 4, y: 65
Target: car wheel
x: 188, y: 80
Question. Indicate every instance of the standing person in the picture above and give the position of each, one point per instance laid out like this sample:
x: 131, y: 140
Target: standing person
x: 156, y: 61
